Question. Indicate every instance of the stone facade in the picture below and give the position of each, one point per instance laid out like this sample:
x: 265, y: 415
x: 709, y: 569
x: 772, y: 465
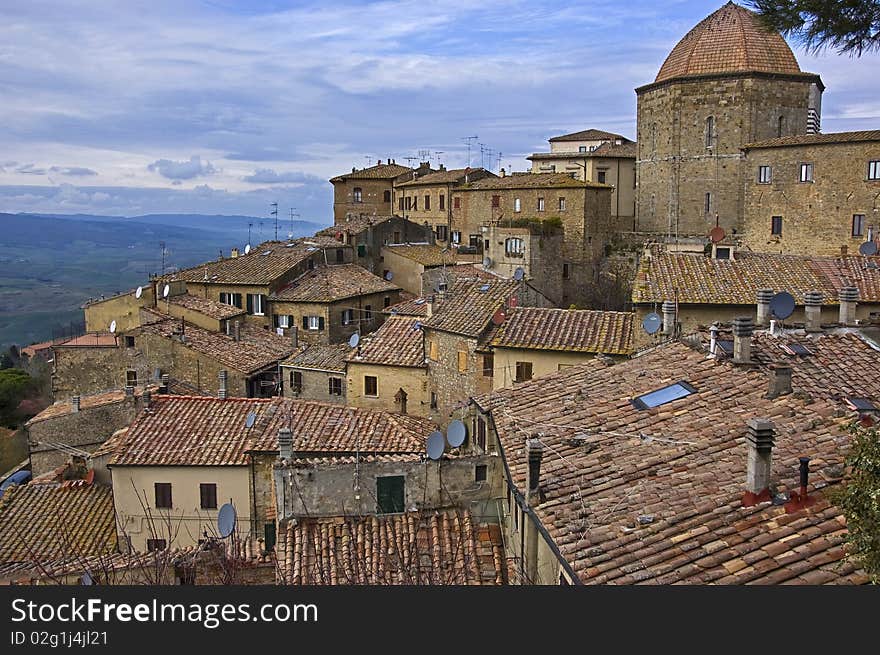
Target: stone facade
x: 315, y: 384
x: 817, y: 217
x: 367, y: 241
x: 535, y: 249
x: 389, y: 380
x: 690, y: 135
x: 124, y: 309
x: 455, y: 377
x: 370, y: 191
x: 81, y: 370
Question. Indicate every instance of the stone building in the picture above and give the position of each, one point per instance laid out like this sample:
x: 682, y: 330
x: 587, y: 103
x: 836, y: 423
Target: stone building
x: 369, y: 190
x: 596, y: 156
x: 316, y: 373
x: 533, y: 248
x: 408, y: 264
x: 534, y: 341
x: 727, y: 83
x: 367, y: 234
x: 123, y: 308
x: 330, y: 303
x: 815, y: 194
x: 427, y: 199
x: 388, y: 370
x: 81, y: 424
x: 581, y: 209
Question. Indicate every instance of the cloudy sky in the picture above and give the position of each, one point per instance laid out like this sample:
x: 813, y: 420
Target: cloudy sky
x: 220, y: 106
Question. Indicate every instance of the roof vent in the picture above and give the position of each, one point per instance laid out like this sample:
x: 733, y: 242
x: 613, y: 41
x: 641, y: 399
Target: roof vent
x: 759, y: 439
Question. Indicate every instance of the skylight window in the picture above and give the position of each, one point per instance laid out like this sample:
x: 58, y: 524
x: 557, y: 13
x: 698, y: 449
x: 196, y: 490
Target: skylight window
x: 796, y: 349
x: 725, y: 346
x: 662, y: 396
x: 861, y: 405
x: 484, y: 288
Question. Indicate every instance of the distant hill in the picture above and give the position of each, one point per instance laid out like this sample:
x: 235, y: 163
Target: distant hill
x: 51, y: 264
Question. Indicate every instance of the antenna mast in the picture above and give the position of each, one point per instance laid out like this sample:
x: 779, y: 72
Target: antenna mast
x: 469, y: 140
x: 162, y: 246
x: 274, y: 213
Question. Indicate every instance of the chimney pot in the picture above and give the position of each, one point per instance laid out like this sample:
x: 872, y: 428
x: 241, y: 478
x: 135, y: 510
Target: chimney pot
x: 129, y: 390
x: 780, y: 380
x: 764, y: 297
x: 668, y: 309
x: 760, y: 437
x: 294, y: 336
x: 75, y: 403
x: 742, y: 339
x: 848, y: 298
x: 813, y: 310
x: 166, y: 383
x: 222, y: 391
x: 147, y: 398
x: 285, y: 443
x: 236, y: 330
x: 535, y: 450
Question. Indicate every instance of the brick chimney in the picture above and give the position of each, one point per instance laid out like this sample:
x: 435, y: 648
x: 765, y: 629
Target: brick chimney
x: 221, y: 394
x: 668, y: 309
x: 780, y: 380
x: 813, y: 310
x: 849, y: 299
x: 535, y: 452
x: 759, y: 440
x: 294, y: 336
x: 285, y: 443
x: 429, y: 306
x: 742, y: 339
x: 74, y: 404
x: 764, y: 298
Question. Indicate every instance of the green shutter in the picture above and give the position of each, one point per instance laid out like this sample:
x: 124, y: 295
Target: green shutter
x: 362, y: 250
x: 269, y: 535
x: 390, y: 494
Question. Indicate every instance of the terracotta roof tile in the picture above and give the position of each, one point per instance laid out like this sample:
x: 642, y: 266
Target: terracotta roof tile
x: 588, y: 135
x: 398, y: 342
x: 205, y: 306
x: 354, y: 224
x: 446, y: 547
x: 423, y: 253
x: 43, y: 522
x: 566, y: 329
x: 452, y: 176
x: 378, y: 172
x: 530, y: 181
x: 654, y: 496
x: 731, y: 39
x: 89, y: 340
x: 468, y: 306
x: 321, y: 357
x: 816, y: 139
x: 332, y: 283
x: 63, y: 408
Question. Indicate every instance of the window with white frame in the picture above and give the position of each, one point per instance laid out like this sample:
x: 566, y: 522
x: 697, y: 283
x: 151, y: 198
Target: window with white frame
x: 540, y: 204
x: 256, y: 304
x: 874, y: 169
x: 806, y: 172
x: 313, y: 322
x: 347, y: 316
x: 284, y: 320
x: 513, y: 247
x: 858, y: 225
x: 765, y: 174
x: 456, y: 236
x: 517, y: 205
x: 561, y: 204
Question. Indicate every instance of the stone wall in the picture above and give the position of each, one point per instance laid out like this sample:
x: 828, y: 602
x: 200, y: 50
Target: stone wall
x: 817, y: 216
x: 124, y: 309
x: 373, y: 198
x: 390, y: 379
x: 315, y: 384
x: 540, y: 260
x: 83, y: 370
x: 451, y: 386
x: 676, y: 168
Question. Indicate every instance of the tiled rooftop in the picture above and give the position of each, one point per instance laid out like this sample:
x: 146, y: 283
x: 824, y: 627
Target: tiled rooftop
x: 398, y: 342
x: 432, y: 548
x: 412, y: 305
x: 452, y: 176
x: 206, y: 306
x: 331, y: 283
x: 381, y: 171
x: 627, y: 150
x: 816, y: 139
x: 699, y: 279
x: 353, y: 225
x: 65, y: 407
x: 578, y: 330
x: 89, y: 340
x: 654, y: 496
x: 257, y: 267
x: 468, y: 306
x: 321, y: 357
x: 424, y: 253
x: 588, y: 135
x: 257, y: 349
x: 530, y: 181
x: 44, y: 522
x: 732, y: 39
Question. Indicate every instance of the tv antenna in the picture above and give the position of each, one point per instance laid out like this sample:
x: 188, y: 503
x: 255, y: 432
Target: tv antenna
x: 292, y: 214
x: 410, y: 160
x: 437, y: 154
x: 469, y: 140
x: 274, y: 213
x: 139, y: 292
x: 250, y: 225
x: 424, y: 155
x: 162, y: 246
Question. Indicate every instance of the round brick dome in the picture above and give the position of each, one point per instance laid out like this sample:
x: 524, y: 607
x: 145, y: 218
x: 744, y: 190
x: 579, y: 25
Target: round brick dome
x: 731, y: 40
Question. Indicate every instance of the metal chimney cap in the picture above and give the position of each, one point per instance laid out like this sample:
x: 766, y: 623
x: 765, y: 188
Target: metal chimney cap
x: 813, y: 298
x: 848, y: 294
x: 668, y: 306
x: 764, y: 296
x: 743, y: 326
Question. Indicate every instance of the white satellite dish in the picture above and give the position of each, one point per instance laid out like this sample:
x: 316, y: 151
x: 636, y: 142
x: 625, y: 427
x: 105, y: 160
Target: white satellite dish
x: 456, y: 433
x: 355, y: 340
x: 139, y: 292
x: 112, y: 327
x: 226, y: 520
x: 166, y: 291
x: 436, y: 445
x: 247, y: 249
x: 389, y: 275
x: 487, y: 262
x: 519, y: 273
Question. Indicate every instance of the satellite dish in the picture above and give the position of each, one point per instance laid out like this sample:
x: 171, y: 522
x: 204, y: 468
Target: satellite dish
x: 519, y: 273
x: 139, y: 292
x: 456, y: 433
x: 782, y: 305
x: 112, y: 327
x: 498, y: 317
x: 436, y: 445
x: 389, y: 275
x: 166, y: 291
x: 487, y: 262
x: 87, y: 579
x: 249, y: 419
x: 355, y: 340
x: 716, y: 234
x: 226, y: 520
x: 417, y: 325
x: 652, y: 323
x: 868, y: 248
x: 247, y: 249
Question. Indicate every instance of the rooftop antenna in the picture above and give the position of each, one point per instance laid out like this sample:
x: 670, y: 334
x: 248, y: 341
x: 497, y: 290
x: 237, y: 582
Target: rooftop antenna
x: 519, y: 273
x: 226, y: 520
x: 437, y: 154
x: 469, y: 140
x: 868, y: 248
x: 250, y: 225
x: 498, y: 163
x: 292, y: 214
x: 162, y: 246
x: 410, y: 160
x: 424, y: 155
x: 482, y: 155
x: 139, y: 292
x: 274, y: 213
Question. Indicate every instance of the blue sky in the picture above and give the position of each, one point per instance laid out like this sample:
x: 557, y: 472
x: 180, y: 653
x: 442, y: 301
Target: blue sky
x: 223, y: 107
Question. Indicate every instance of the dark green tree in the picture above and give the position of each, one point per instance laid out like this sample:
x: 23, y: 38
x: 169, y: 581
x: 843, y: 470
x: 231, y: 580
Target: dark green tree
x: 15, y: 385
x: 859, y: 498
x: 847, y: 26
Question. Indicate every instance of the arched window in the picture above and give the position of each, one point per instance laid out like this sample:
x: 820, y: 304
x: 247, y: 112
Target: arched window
x: 780, y: 126
x: 513, y: 247
x: 710, y: 131
x: 387, y: 196
x: 358, y: 194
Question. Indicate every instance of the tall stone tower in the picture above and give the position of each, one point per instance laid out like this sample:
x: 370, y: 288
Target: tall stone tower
x: 728, y: 82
